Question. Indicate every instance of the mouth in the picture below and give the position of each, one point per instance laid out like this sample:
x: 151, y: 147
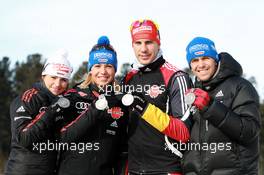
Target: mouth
x: 103, y: 78
x: 55, y: 91
x: 203, y: 71
x: 144, y: 57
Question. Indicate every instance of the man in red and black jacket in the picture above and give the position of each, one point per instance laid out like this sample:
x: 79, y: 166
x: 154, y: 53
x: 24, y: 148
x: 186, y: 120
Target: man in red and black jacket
x: 155, y: 122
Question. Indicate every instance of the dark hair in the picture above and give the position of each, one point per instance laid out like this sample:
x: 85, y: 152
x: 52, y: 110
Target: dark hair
x: 103, y: 46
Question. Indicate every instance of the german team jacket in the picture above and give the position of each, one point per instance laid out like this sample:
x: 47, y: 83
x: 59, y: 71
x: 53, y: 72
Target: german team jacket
x: 94, y: 141
x: 163, y: 86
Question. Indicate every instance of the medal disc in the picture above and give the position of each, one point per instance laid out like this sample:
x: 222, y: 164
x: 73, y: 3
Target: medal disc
x: 189, y: 98
x: 127, y: 99
x: 101, y: 103
x: 63, y: 102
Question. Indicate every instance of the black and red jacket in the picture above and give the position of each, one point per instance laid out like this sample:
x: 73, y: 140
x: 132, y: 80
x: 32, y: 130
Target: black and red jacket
x: 105, y: 133
x: 163, y: 86
x: 32, y: 125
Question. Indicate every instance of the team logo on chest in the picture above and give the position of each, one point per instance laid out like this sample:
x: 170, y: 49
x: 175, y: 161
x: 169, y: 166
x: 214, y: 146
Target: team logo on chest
x: 154, y: 91
x: 116, y: 112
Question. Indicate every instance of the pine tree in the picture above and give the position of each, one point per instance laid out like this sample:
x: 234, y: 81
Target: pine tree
x: 6, y: 94
x: 26, y: 73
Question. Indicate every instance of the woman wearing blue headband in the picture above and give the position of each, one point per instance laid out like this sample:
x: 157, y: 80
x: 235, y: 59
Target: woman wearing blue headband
x: 98, y: 132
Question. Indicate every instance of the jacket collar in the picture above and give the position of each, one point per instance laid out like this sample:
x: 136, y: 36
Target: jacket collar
x: 153, y: 66
x: 41, y: 87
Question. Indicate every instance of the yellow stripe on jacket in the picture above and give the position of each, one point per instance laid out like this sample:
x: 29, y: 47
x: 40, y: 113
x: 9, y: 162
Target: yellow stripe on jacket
x: 161, y: 119
x: 168, y: 125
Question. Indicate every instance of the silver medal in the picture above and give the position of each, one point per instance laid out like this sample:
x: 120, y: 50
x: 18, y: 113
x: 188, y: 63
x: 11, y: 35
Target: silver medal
x: 101, y: 103
x: 63, y: 102
x: 127, y: 99
x: 189, y: 98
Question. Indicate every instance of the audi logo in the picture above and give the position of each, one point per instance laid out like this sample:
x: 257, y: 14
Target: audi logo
x: 82, y: 105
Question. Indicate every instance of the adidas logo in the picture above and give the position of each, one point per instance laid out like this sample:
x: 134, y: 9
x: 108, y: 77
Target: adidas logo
x: 147, y: 69
x: 114, y: 124
x: 21, y: 109
x: 219, y: 94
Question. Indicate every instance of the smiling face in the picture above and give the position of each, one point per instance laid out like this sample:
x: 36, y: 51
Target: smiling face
x: 56, y: 85
x: 145, y: 50
x: 102, y: 74
x: 203, y: 67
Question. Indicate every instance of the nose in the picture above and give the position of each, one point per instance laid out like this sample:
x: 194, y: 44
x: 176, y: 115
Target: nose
x: 57, y: 82
x: 102, y: 69
x: 143, y: 47
x: 201, y: 63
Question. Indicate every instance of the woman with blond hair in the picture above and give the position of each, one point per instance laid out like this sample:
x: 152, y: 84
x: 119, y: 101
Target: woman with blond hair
x: 98, y: 134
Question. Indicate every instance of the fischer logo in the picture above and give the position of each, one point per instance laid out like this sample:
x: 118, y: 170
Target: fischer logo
x: 102, y: 55
x: 198, y: 47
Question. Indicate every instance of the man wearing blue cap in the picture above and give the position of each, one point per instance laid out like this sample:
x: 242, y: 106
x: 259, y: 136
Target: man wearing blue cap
x: 225, y: 113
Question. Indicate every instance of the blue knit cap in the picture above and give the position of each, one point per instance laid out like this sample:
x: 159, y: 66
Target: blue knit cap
x: 102, y: 53
x: 201, y: 47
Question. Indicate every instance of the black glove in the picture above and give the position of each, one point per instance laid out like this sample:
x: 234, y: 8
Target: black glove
x: 114, y: 100
x: 94, y: 113
x: 139, y: 104
x: 53, y: 111
x: 73, y: 97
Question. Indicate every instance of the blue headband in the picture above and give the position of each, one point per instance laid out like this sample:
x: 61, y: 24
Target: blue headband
x: 102, y: 55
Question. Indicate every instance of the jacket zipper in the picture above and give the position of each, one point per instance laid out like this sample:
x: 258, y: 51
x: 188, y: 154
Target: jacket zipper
x: 203, y: 130
x: 206, y: 125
